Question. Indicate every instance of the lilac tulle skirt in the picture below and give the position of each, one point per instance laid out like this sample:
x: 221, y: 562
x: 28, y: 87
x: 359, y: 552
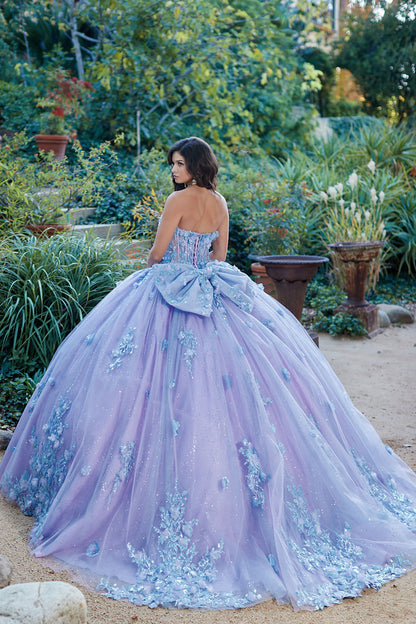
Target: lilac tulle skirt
x: 190, y: 446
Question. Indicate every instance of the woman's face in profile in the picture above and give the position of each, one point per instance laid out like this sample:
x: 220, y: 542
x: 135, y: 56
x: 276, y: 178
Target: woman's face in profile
x: 180, y: 173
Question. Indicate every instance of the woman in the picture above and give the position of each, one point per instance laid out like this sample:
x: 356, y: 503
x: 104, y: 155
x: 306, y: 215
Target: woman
x: 190, y: 446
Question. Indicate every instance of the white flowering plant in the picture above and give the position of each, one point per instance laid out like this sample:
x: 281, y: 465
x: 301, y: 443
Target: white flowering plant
x: 354, y: 212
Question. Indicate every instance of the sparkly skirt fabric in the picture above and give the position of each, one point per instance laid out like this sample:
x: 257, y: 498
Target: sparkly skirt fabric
x: 198, y: 451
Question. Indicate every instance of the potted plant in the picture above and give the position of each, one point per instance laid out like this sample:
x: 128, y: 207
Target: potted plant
x: 274, y: 226
x: 36, y: 195
x: 278, y: 231
x: 355, y: 236
x: 61, y: 105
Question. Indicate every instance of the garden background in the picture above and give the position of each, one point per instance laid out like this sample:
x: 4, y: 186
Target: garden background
x: 125, y: 79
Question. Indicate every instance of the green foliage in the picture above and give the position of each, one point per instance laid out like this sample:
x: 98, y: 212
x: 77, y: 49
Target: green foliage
x: 16, y: 107
x: 145, y: 217
x: 401, y: 228
x: 135, y: 196
x: 47, y: 287
x: 324, y: 64
x: 380, y: 52
x: 393, y: 149
x: 187, y: 73
x: 325, y: 298
x: 41, y: 189
x: 393, y: 289
x: 16, y: 388
x: 347, y: 124
x: 393, y: 153
x: 277, y: 222
x: 342, y: 108
x: 339, y: 323
x: 228, y: 71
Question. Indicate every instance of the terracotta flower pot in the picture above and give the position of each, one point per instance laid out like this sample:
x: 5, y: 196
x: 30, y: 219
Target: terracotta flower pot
x: 55, y: 143
x: 260, y: 275
x: 47, y: 229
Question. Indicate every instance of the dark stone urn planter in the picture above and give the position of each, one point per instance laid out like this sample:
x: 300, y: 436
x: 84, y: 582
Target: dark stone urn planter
x: 355, y: 258
x: 259, y: 273
x: 291, y: 275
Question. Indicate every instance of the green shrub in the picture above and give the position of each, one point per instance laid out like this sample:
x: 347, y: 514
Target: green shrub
x: 393, y: 289
x: 324, y: 298
x: 16, y: 388
x: 41, y: 189
x: 17, y: 106
x: 401, y: 229
x: 339, y: 323
x: 269, y: 214
x: 343, y: 108
x: 47, y: 287
x: 134, y: 195
x: 347, y: 125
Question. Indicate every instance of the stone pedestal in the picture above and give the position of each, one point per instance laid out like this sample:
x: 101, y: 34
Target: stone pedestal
x: 355, y: 258
x: 367, y: 314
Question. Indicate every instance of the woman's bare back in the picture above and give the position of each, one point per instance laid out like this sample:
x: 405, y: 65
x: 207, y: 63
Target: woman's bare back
x: 202, y: 210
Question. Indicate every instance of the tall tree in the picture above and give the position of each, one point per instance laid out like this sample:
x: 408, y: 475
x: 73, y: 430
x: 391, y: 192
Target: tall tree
x: 380, y: 52
x: 227, y: 69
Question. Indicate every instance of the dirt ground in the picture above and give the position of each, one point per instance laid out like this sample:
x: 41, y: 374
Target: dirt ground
x: 380, y: 376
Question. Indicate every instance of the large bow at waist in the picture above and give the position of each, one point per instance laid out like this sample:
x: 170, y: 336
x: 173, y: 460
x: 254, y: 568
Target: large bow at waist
x: 197, y: 290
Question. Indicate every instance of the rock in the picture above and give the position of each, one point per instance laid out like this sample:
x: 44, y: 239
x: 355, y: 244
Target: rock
x: 383, y: 318
x: 5, y: 571
x: 52, y: 602
x: 5, y: 437
x: 396, y: 313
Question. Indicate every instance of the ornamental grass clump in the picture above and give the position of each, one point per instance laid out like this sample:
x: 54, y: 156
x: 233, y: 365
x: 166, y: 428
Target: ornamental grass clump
x: 46, y: 287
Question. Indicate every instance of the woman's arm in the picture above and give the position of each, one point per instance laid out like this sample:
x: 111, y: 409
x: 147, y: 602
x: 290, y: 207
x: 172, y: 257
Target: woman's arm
x: 168, y: 223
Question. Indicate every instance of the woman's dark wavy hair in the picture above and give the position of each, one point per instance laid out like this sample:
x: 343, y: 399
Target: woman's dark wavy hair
x: 199, y: 159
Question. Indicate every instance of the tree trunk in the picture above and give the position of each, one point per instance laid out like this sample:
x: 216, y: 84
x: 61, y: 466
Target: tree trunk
x: 73, y: 5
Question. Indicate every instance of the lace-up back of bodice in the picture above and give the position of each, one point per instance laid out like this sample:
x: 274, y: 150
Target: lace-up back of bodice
x: 189, y: 247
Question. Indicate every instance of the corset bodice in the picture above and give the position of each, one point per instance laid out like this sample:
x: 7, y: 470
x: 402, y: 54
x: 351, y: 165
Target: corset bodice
x: 189, y: 247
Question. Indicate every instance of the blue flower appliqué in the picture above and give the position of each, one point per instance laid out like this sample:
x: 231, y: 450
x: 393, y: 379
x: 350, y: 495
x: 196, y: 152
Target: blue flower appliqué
x: 335, y: 556
x: 126, y: 347
x: 388, y: 495
x: 255, y: 475
x: 189, y: 343
x: 178, y: 578
x: 126, y: 454
x: 38, y: 486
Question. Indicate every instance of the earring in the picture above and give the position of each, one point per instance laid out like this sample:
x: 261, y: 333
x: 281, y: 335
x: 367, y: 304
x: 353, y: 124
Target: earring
x: 193, y: 181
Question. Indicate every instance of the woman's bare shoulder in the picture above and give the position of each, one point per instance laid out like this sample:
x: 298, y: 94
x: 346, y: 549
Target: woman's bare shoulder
x: 175, y: 196
x: 176, y: 201
x: 222, y: 203
x: 220, y: 197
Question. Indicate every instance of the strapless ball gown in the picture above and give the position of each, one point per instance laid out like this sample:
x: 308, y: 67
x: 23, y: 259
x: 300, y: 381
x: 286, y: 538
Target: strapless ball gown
x: 190, y: 446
